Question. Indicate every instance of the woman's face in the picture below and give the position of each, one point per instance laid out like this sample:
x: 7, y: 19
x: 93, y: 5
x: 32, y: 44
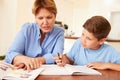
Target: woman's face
x: 45, y: 20
x: 90, y: 41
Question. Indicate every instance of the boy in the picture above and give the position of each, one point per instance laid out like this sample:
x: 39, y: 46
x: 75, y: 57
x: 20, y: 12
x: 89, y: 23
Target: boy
x: 90, y: 49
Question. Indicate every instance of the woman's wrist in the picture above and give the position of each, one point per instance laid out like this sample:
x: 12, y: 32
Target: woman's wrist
x: 42, y: 60
x: 17, y: 58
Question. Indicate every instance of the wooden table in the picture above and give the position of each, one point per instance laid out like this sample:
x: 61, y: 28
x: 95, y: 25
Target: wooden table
x: 106, y: 75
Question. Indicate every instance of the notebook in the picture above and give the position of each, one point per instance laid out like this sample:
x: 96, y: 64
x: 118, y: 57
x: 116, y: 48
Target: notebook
x: 68, y: 70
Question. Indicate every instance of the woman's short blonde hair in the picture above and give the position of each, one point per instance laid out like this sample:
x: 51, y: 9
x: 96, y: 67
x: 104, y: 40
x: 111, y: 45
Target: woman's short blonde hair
x: 47, y: 4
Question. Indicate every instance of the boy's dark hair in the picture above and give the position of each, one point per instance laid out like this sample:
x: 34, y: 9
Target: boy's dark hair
x: 99, y: 26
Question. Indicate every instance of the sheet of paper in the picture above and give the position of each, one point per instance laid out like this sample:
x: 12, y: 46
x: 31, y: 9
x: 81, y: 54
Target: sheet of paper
x: 54, y: 70
x: 68, y: 70
x: 81, y: 70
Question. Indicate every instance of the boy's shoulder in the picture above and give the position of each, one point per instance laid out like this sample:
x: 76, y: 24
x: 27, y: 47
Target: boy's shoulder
x: 109, y: 47
x: 77, y: 42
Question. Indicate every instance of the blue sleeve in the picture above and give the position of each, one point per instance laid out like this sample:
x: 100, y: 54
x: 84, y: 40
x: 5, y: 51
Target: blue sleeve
x: 17, y: 46
x: 58, y: 48
x: 74, y: 50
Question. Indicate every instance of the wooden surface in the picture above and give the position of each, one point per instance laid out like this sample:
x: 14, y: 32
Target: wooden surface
x: 106, y: 75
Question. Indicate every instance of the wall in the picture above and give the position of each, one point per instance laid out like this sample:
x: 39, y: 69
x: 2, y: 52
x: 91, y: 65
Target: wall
x: 13, y: 13
x: 106, y: 8
x: 7, y: 23
x: 65, y: 12
x: 87, y: 8
x: 24, y: 12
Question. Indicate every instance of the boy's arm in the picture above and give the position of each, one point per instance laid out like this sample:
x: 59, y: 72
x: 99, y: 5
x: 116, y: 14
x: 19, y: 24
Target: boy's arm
x: 67, y: 60
x: 62, y: 59
x: 104, y: 65
x: 114, y: 66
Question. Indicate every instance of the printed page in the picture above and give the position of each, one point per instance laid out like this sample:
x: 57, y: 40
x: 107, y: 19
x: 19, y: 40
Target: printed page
x: 22, y: 74
x: 8, y: 73
x: 54, y: 70
x: 81, y: 70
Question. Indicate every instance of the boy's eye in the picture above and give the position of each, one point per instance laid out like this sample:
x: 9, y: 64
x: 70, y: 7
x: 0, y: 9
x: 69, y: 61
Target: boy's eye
x: 82, y: 34
x: 89, y: 38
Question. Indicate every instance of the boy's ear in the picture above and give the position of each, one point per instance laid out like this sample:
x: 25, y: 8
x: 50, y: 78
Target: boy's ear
x: 102, y: 41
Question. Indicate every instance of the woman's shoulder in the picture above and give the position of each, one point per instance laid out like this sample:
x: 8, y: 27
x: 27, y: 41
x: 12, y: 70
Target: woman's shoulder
x: 29, y: 28
x: 57, y: 28
x: 29, y: 25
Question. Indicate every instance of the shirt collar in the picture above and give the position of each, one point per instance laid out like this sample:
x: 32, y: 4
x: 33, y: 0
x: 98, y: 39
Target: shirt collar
x: 38, y: 31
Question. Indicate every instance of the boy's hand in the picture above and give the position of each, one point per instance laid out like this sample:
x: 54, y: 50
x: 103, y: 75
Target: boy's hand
x: 98, y: 65
x: 59, y: 60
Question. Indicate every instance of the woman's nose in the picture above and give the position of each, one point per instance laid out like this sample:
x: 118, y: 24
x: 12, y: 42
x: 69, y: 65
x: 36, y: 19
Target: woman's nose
x: 45, y: 21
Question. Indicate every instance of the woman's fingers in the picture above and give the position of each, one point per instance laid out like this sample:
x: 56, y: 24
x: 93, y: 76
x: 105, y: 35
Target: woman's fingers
x: 19, y: 65
x: 36, y: 63
x: 28, y: 67
x: 28, y: 63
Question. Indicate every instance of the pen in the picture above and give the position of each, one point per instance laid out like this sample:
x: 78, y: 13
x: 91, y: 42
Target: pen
x: 59, y: 57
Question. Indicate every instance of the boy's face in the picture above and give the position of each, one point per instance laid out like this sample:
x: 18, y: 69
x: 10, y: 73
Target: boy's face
x: 90, y: 41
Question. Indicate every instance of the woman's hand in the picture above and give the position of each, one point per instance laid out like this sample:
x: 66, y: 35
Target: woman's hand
x: 27, y: 62
x: 98, y: 65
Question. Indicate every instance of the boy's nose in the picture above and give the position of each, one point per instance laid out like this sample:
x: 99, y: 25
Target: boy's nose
x: 83, y: 40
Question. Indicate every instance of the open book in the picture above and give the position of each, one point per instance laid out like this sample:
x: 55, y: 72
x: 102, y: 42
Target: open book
x: 8, y: 72
x: 68, y: 70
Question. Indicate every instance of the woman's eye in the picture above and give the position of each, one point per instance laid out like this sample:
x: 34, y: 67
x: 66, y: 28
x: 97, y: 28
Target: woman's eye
x: 40, y: 18
x: 50, y: 17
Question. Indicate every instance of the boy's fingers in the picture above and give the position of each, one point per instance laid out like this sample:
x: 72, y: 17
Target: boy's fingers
x: 56, y: 57
x: 58, y: 61
x: 61, y: 55
x: 60, y: 64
